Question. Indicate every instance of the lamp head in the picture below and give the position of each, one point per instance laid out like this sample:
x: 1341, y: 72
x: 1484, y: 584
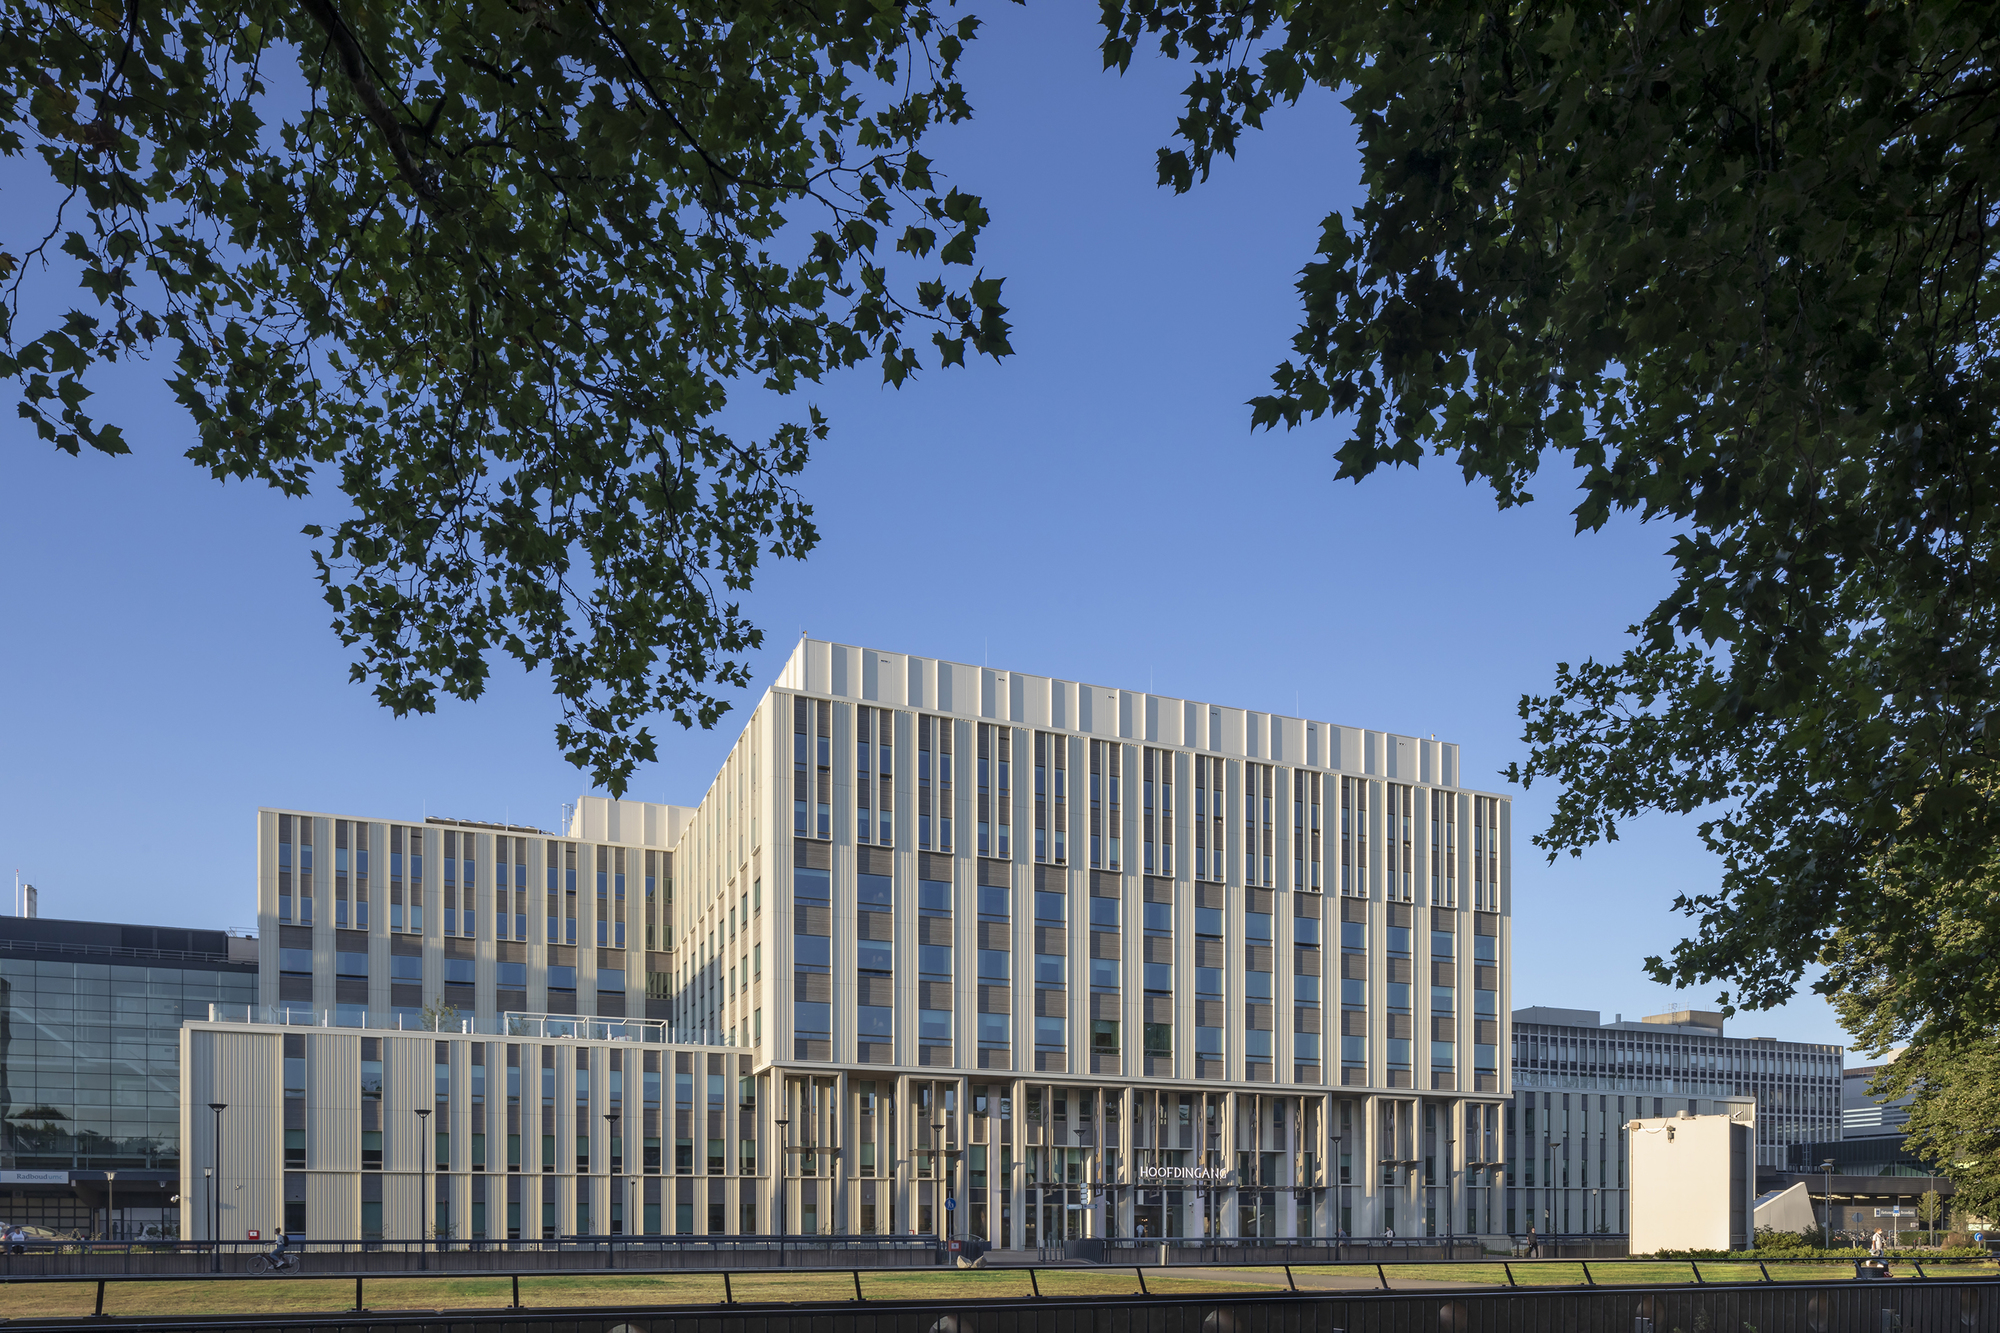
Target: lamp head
x: 218, y: 1106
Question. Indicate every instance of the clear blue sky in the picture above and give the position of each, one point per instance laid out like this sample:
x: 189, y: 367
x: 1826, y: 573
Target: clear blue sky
x: 1096, y: 508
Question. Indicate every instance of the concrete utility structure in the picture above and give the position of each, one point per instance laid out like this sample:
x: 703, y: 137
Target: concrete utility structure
x: 90, y: 1069
x: 1693, y: 1183
x: 1006, y: 956
x: 1792, y: 1208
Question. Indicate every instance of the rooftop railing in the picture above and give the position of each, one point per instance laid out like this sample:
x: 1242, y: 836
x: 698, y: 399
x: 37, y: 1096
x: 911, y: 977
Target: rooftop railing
x: 511, y: 1023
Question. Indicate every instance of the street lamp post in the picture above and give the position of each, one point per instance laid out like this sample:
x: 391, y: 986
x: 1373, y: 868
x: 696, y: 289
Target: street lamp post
x: 1450, y: 1194
x: 1826, y: 1173
x: 940, y: 1173
x: 611, y: 1146
x: 1554, y: 1146
x: 110, y: 1204
x: 215, y: 1194
x: 784, y: 1173
x: 423, y: 1186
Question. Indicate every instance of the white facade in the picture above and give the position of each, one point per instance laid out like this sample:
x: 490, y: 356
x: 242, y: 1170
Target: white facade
x: 1160, y: 933
x: 1693, y: 1183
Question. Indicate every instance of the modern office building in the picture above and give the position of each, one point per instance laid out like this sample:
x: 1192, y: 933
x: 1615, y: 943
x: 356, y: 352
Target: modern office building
x: 942, y: 948
x: 90, y: 1066
x: 1863, y: 1115
x: 1578, y: 1082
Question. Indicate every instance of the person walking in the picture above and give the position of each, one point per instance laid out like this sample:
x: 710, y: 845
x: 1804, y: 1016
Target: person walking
x: 17, y: 1240
x: 1875, y: 1243
x: 1534, y: 1243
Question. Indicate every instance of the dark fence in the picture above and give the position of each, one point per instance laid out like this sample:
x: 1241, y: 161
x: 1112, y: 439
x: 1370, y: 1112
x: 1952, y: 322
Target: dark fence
x: 1937, y: 1306
x: 568, y: 1253
x: 1182, y: 1251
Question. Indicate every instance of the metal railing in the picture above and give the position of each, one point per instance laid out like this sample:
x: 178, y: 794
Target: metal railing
x: 510, y: 1023
x: 117, y: 951
x: 1655, y: 1303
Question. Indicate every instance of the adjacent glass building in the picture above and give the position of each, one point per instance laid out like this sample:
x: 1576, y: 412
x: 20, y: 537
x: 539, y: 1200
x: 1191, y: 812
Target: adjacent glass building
x: 1579, y: 1081
x: 90, y: 1014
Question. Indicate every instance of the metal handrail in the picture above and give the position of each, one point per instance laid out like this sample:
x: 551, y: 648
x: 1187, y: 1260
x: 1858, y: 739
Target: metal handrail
x: 1291, y: 1293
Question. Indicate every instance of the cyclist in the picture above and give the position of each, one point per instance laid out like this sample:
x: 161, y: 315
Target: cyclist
x: 278, y: 1251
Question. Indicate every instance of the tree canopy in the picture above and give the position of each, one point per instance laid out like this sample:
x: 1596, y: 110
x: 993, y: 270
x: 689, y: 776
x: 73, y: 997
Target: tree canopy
x: 492, y: 268
x: 1735, y: 266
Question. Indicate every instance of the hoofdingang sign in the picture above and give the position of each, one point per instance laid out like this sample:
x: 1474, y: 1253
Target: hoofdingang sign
x: 1214, y: 1175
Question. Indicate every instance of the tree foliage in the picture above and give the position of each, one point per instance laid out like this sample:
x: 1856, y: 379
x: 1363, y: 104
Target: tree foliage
x: 492, y: 268
x: 1954, y: 1117
x: 1734, y: 264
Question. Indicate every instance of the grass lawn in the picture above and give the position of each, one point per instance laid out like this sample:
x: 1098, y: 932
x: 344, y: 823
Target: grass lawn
x: 308, y: 1295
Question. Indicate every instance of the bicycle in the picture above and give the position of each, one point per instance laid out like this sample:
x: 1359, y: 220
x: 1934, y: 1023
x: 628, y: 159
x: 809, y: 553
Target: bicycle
x: 264, y: 1265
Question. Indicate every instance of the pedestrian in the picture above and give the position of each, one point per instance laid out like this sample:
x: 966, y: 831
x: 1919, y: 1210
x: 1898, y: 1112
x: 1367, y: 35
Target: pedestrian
x: 1875, y: 1242
x: 1534, y: 1243
x: 17, y: 1240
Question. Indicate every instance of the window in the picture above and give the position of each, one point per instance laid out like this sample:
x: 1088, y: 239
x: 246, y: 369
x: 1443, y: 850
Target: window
x: 1306, y: 855
x: 1156, y: 822
x: 934, y: 1026
x: 1051, y: 907
x: 562, y: 978
x: 404, y: 968
x: 1305, y: 1047
x: 1159, y: 977
x: 298, y: 962
x: 510, y: 976
x: 1103, y: 974
x: 351, y: 965
x: 1305, y: 930
x: 874, y: 892
x: 1050, y: 969
x: 874, y: 779
x: 873, y: 955
x: 1209, y: 809
x: 1051, y: 798
x: 1104, y: 913
x: 1486, y: 853
x: 934, y: 960
x: 1305, y: 990
x: 1104, y: 1036
x: 1159, y: 918
x: 1354, y: 837
x: 1208, y: 921
x: 1398, y: 855
x: 993, y: 1029
x: 934, y: 782
x: 1208, y: 981
x: 1051, y: 1032
x: 1208, y: 1041
x: 995, y: 964
x: 1259, y: 783
x: 871, y: 1020
x: 996, y: 796
x: 1159, y: 1039
x: 1105, y: 822
x: 458, y: 971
